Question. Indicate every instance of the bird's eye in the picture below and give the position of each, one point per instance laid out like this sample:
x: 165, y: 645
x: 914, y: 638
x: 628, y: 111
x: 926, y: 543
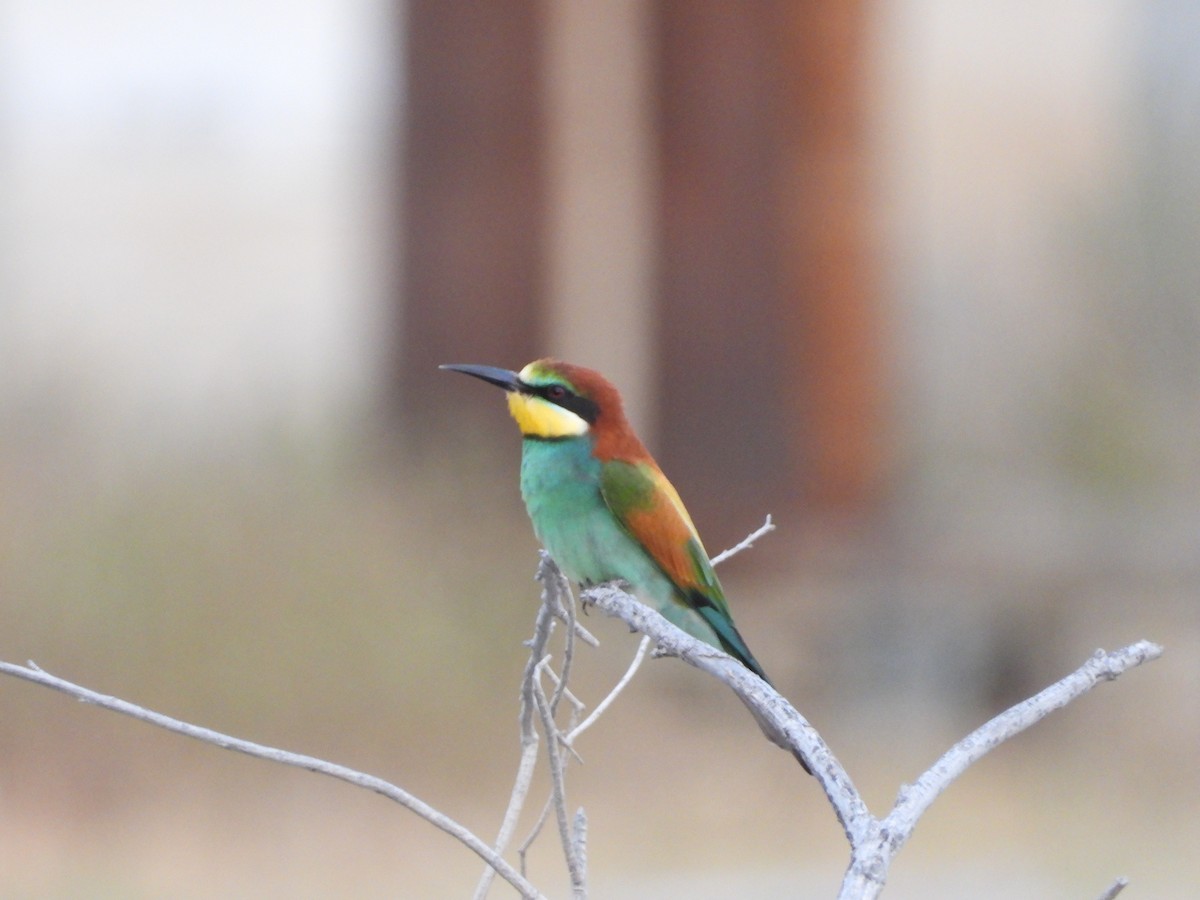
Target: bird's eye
x: 556, y: 392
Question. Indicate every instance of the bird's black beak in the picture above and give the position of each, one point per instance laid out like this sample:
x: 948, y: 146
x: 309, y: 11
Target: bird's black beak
x: 492, y: 375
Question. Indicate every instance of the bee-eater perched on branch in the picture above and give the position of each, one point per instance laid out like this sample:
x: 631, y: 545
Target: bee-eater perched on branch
x: 601, y: 506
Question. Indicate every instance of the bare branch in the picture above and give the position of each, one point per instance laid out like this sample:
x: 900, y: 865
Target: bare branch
x: 525, y: 769
x: 604, y: 704
x: 558, y: 602
x: 567, y: 694
x: 287, y: 758
x: 873, y: 841
x: 1103, y: 666
x: 584, y: 635
x: 745, y: 543
x: 775, y: 715
x: 871, y: 858
x: 548, y: 610
x: 557, y: 780
x: 565, y: 600
x: 579, y: 841
x: 554, y: 588
x: 542, y: 818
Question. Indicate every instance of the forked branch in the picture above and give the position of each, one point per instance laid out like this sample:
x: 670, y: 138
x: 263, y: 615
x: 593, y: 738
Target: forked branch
x: 873, y: 841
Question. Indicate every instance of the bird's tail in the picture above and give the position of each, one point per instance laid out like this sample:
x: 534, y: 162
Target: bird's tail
x: 731, y: 640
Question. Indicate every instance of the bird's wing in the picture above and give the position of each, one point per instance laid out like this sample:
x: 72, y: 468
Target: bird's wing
x: 649, y: 509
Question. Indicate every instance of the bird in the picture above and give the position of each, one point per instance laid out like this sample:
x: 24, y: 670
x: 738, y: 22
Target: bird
x: 601, y: 506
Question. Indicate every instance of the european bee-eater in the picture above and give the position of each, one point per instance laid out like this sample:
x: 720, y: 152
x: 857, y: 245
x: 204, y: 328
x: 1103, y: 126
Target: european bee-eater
x: 601, y: 506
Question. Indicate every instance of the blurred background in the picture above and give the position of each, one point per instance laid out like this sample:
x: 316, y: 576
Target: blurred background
x: 920, y: 278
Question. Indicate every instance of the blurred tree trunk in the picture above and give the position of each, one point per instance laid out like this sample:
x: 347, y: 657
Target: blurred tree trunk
x: 473, y: 197
x: 764, y: 359
x: 836, y: 419
x: 721, y: 344
x: 768, y: 311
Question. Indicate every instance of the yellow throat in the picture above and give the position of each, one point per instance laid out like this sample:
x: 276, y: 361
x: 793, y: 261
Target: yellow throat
x: 541, y: 418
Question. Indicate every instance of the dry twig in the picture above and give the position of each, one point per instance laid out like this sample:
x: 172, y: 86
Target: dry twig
x: 873, y: 841
x: 38, y: 676
x: 1115, y: 888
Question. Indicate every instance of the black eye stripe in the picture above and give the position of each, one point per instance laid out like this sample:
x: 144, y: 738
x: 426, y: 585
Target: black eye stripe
x: 568, y: 400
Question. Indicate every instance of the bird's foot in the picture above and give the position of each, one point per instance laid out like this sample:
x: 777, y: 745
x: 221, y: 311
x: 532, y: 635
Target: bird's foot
x: 585, y: 602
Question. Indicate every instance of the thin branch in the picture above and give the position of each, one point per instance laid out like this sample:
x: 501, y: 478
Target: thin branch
x: 557, y: 779
x: 872, y: 841
x: 543, y: 627
x: 576, y: 706
x: 525, y: 769
x: 582, y: 633
x: 778, y: 719
x: 1102, y: 666
x: 360, y: 779
x: 567, y: 694
x: 565, y: 601
x: 552, y: 607
x: 745, y: 543
x: 574, y: 835
x: 542, y: 818
x: 643, y: 646
x: 1115, y: 888
x: 579, y: 841
x: 559, y: 600
x: 554, y: 587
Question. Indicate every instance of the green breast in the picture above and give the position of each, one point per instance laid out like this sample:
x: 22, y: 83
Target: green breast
x: 560, y: 483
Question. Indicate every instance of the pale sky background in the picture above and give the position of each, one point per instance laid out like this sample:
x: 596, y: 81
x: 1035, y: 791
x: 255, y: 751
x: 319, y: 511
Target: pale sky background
x: 193, y: 212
